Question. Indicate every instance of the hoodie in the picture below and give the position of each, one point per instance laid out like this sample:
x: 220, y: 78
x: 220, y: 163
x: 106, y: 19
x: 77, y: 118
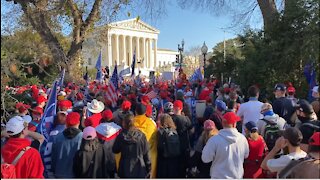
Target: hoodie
x: 64, y: 147
x: 29, y: 165
x: 107, y: 133
x: 272, y: 119
x: 134, y: 149
x: 227, y: 151
x: 149, y: 128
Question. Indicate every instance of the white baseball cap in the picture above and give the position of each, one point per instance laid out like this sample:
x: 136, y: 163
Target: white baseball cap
x: 315, y: 89
x: 15, y: 125
x: 27, y: 118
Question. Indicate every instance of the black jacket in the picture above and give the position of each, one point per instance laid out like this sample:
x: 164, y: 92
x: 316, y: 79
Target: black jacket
x: 91, y: 161
x: 135, y: 161
x: 166, y: 167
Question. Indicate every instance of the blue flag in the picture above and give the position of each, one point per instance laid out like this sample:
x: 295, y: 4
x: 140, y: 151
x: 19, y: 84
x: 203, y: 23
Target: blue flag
x: 133, y: 63
x: 62, y: 78
x: 310, y: 74
x: 98, y: 67
x: 46, y: 121
x: 114, y: 78
x: 197, y: 75
x: 124, y: 72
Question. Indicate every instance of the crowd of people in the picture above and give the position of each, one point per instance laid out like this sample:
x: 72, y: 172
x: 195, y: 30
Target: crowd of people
x: 161, y: 135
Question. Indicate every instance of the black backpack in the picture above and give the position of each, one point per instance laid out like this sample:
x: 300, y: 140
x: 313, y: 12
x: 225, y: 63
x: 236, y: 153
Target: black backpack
x: 171, y: 143
x: 286, y: 172
x: 271, y: 133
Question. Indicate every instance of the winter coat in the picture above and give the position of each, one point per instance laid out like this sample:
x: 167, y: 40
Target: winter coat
x: 166, y: 167
x: 64, y: 147
x: 92, y: 161
x: 107, y: 134
x: 149, y: 128
x: 183, y: 125
x: 272, y: 119
x: 227, y: 151
x: 135, y: 161
x: 30, y: 164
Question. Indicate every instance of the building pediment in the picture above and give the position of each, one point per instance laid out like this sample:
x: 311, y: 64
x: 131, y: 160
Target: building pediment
x: 134, y: 24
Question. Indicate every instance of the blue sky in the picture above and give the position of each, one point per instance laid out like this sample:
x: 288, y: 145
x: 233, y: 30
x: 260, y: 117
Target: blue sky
x: 194, y: 27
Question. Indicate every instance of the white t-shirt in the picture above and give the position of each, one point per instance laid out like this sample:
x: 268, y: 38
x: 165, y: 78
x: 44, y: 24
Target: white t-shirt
x: 250, y: 111
x: 277, y: 165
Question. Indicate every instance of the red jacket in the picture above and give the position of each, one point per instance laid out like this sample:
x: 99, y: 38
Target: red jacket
x: 30, y: 164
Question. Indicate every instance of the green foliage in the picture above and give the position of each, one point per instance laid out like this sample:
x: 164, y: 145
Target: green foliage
x: 277, y: 56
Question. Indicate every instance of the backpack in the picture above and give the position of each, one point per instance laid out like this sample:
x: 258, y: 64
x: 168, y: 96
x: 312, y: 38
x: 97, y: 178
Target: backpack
x: 286, y: 172
x: 271, y: 133
x: 8, y: 171
x: 171, y: 143
x: 315, y: 127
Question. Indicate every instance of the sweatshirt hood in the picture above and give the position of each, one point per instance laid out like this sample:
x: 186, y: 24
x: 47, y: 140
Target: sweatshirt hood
x: 230, y: 134
x: 13, y: 147
x: 71, y: 132
x: 108, y: 129
x: 132, y: 136
x: 272, y: 119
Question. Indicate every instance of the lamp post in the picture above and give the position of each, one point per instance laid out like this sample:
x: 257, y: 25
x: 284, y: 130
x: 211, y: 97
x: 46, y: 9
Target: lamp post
x: 180, y: 49
x: 204, y: 50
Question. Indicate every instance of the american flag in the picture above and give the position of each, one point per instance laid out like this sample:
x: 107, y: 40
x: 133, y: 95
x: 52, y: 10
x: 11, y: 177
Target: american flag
x: 112, y: 90
x: 151, y: 94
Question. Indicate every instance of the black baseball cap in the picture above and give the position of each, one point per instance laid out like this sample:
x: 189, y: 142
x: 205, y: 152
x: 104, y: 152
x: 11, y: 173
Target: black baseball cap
x: 304, y: 106
x: 280, y: 87
x: 293, y: 135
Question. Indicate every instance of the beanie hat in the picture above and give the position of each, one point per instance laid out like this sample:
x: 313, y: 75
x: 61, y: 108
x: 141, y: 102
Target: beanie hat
x: 126, y: 105
x: 178, y: 104
x: 107, y: 114
x: 73, y: 118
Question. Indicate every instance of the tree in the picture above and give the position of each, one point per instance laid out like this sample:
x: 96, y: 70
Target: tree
x: 47, y: 18
x: 243, y: 9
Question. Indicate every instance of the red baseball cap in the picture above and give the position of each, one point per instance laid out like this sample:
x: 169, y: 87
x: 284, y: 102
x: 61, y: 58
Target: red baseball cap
x: 65, y: 104
x: 126, y: 105
x: 73, y: 118
x: 315, y: 139
x: 41, y: 99
x: 80, y: 96
x: 178, y: 104
x: 23, y: 107
x: 107, y: 114
x: 291, y: 89
x: 37, y: 110
x: 231, y: 117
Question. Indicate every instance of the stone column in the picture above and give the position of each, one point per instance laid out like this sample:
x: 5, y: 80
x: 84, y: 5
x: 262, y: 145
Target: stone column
x: 143, y: 56
x: 137, y: 52
x: 109, y: 63
x: 150, y: 64
x: 130, y: 50
x: 124, y: 49
x: 116, y: 45
x: 155, y: 53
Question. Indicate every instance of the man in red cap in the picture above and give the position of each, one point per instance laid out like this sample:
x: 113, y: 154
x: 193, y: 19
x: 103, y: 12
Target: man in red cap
x: 227, y: 150
x: 183, y: 124
x: 65, y: 105
x: 41, y: 101
x: 120, y: 113
x: 291, y: 92
x: 37, y: 113
x: 64, y: 147
x: 23, y: 110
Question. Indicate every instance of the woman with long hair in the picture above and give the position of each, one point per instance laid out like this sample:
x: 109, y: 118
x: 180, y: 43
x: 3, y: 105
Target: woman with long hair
x: 257, y: 151
x: 168, y: 148
x: 132, y: 144
x: 199, y: 168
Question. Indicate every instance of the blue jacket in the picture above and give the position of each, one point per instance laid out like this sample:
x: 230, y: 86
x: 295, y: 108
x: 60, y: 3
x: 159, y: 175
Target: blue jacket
x: 64, y: 147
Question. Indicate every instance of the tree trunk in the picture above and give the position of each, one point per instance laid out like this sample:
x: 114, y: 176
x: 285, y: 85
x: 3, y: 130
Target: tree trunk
x: 269, y: 12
